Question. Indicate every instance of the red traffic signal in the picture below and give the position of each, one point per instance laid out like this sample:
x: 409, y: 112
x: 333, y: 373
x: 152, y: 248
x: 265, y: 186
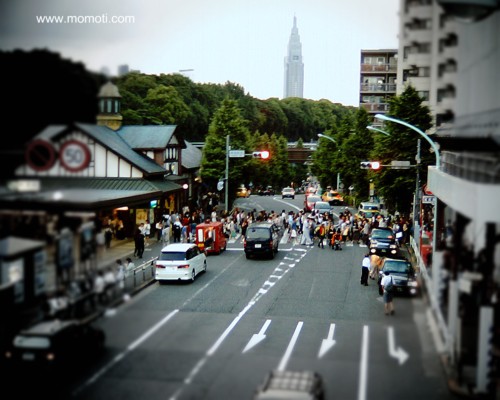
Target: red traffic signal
x: 264, y: 155
x: 370, y: 164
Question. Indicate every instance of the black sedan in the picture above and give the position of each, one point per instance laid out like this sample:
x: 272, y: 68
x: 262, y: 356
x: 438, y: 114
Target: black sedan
x: 403, y: 276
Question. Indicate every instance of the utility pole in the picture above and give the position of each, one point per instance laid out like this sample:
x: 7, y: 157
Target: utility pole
x: 416, y: 199
x: 226, y: 191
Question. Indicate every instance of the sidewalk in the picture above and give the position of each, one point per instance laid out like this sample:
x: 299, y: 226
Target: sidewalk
x: 121, y: 249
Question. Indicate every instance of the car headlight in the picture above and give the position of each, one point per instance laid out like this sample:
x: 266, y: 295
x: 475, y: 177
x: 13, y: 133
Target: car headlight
x: 413, y: 283
x: 392, y: 246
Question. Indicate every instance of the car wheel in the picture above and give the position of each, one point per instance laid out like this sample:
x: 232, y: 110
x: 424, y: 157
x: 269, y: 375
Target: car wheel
x: 293, y: 197
x: 193, y: 275
x: 247, y: 256
x: 205, y: 266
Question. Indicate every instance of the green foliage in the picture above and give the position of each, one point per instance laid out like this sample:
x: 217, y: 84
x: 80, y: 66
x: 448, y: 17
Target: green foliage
x: 397, y: 186
x: 227, y: 120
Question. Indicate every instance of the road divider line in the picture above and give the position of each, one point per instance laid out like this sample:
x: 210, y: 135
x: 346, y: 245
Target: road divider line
x: 291, y: 345
x: 129, y: 348
x: 363, y: 365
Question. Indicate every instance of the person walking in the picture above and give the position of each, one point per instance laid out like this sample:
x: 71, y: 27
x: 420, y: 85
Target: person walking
x: 365, y: 269
x: 387, y: 284
x: 139, y: 243
x: 321, y: 235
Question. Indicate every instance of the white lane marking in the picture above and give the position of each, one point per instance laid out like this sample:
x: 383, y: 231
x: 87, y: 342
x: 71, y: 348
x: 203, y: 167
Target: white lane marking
x: 327, y: 343
x: 261, y: 292
x: 291, y: 345
x: 287, y: 203
x: 121, y: 355
x: 363, y: 365
x: 394, y: 352
x: 257, y: 337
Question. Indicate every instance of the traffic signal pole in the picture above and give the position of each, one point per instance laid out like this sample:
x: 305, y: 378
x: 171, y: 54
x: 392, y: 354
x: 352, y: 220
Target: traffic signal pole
x: 226, y: 191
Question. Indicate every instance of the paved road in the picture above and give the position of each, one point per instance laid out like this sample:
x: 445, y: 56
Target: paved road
x: 218, y: 337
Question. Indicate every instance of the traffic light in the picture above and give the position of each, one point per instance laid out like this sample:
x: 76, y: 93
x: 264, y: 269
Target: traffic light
x: 264, y: 155
x: 370, y: 164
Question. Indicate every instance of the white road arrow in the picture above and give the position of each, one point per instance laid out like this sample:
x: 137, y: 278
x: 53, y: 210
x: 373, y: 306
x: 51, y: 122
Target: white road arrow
x: 258, y: 337
x: 398, y: 353
x: 327, y: 343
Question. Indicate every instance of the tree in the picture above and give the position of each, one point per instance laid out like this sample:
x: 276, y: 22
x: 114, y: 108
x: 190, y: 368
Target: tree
x: 397, y: 186
x: 165, y: 106
x: 227, y: 121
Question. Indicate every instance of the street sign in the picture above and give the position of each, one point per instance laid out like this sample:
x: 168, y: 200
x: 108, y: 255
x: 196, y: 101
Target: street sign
x: 428, y: 199
x: 400, y: 164
x: 236, y: 153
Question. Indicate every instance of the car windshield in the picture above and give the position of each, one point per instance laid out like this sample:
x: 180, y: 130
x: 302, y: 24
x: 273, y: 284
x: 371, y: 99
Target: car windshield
x: 288, y: 190
x: 396, y: 266
x: 173, y: 256
x: 382, y: 234
x: 313, y: 199
x: 258, y: 233
x: 322, y: 205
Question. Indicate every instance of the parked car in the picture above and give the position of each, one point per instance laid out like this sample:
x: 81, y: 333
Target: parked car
x: 288, y: 192
x: 309, y: 202
x: 180, y: 261
x: 210, y: 237
x: 54, y: 347
x: 332, y: 197
x: 261, y: 239
x: 403, y: 276
x: 287, y: 385
x: 382, y: 242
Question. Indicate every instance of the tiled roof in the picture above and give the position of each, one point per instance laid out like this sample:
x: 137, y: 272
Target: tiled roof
x: 191, y: 156
x: 110, y: 139
x: 147, y: 136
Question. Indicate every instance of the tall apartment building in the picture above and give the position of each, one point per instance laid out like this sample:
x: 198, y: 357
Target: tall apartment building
x: 377, y: 79
x: 427, y: 56
x: 294, y: 66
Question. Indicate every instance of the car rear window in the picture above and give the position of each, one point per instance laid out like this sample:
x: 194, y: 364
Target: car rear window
x: 31, y: 342
x: 258, y: 233
x: 173, y: 256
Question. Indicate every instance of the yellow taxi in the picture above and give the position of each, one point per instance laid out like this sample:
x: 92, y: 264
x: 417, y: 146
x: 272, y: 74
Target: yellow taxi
x: 242, y: 191
x: 332, y: 197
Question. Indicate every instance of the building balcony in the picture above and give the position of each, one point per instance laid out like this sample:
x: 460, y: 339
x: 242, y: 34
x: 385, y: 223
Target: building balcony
x: 419, y: 59
x: 448, y: 78
x: 420, y: 35
x: 449, y: 27
x: 419, y: 11
x: 448, y: 53
x: 367, y: 68
x: 375, y: 107
x: 419, y: 82
x: 462, y: 183
x: 447, y: 103
x: 378, y: 88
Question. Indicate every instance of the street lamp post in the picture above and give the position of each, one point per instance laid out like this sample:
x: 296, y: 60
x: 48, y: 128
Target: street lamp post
x: 320, y: 135
x: 436, y: 265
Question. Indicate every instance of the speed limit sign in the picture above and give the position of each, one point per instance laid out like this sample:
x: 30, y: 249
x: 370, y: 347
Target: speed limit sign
x: 74, y: 155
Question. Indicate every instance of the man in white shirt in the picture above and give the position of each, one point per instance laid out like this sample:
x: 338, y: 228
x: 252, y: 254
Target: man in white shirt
x: 388, y: 304
x: 365, y: 269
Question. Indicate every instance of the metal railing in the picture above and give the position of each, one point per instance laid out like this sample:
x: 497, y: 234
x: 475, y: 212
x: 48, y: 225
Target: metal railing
x: 481, y: 168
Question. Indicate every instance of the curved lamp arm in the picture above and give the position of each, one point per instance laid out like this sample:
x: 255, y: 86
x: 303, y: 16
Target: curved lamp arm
x: 426, y: 137
x: 372, y: 128
x: 320, y: 135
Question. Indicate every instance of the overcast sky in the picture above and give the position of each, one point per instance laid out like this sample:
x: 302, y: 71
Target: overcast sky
x: 242, y: 41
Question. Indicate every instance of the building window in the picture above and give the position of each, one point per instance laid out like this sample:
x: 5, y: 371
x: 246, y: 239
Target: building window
x: 424, y: 95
